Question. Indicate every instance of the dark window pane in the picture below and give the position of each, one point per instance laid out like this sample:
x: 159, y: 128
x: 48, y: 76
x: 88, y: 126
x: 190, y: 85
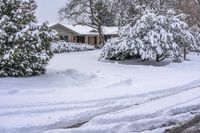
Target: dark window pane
x: 95, y: 40
x: 81, y: 39
x: 66, y: 38
x: 61, y: 38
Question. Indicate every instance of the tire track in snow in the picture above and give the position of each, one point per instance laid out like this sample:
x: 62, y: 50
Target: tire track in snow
x: 136, y: 120
x: 139, y: 99
x: 96, y: 108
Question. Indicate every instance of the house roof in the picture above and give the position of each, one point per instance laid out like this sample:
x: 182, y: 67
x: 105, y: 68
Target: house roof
x: 86, y: 30
x: 110, y: 30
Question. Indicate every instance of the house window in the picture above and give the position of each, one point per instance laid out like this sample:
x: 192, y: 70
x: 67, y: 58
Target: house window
x: 64, y: 38
x: 80, y: 39
x: 61, y: 38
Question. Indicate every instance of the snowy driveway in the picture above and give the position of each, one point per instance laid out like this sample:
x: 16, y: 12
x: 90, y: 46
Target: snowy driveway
x: 101, y: 97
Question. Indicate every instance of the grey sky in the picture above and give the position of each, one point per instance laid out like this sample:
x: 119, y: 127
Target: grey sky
x: 48, y: 10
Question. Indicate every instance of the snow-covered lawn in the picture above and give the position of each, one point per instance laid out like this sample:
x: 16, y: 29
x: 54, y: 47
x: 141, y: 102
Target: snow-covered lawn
x: 104, y: 97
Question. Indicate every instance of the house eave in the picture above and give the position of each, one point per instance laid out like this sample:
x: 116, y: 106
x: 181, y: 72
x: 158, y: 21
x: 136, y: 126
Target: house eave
x: 78, y: 34
x: 66, y: 28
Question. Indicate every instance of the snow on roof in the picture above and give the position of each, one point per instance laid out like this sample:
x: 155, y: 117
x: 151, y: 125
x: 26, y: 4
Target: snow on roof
x: 82, y: 30
x: 110, y: 30
x: 86, y: 30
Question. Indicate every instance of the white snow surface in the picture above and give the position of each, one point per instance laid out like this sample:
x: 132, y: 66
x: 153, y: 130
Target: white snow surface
x: 101, y: 97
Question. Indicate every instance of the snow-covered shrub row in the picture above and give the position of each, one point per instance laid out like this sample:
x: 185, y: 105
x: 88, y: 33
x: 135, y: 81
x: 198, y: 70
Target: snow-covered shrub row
x: 24, y: 45
x: 152, y: 36
x: 61, y: 46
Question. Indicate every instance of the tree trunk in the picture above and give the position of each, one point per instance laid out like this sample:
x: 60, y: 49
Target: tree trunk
x: 157, y: 58
x: 160, y: 58
x: 102, y: 39
x: 185, y: 52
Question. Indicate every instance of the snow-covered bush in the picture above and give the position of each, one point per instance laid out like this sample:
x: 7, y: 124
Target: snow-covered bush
x: 24, y: 45
x: 61, y: 46
x: 116, y: 49
x: 151, y: 36
x: 195, y: 31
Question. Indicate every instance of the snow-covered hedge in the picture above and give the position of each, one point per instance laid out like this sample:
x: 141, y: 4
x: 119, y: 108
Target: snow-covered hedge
x: 152, y: 36
x: 61, y: 46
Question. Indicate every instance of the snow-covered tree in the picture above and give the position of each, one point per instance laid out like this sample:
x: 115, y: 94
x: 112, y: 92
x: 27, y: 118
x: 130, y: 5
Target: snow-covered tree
x: 152, y: 36
x: 24, y: 45
x: 195, y: 31
x: 127, y: 9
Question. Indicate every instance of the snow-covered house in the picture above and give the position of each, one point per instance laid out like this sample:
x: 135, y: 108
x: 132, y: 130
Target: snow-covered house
x: 83, y: 34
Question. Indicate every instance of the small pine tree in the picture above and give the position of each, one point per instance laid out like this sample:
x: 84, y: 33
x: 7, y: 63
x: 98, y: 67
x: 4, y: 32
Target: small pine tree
x: 151, y: 36
x: 24, y: 45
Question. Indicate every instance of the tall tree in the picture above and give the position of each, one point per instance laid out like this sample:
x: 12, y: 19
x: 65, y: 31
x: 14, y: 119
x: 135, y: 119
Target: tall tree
x: 127, y: 10
x: 189, y: 7
x: 24, y: 45
x: 152, y: 36
x: 93, y: 13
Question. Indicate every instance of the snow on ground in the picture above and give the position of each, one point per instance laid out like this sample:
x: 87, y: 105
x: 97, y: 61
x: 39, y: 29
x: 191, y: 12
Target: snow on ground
x: 103, y: 97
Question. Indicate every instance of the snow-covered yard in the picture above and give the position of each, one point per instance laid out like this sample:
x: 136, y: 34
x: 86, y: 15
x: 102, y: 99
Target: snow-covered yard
x: 104, y: 97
